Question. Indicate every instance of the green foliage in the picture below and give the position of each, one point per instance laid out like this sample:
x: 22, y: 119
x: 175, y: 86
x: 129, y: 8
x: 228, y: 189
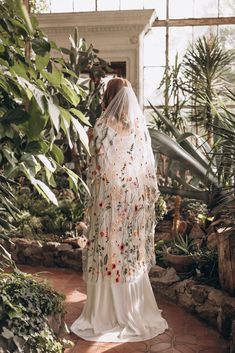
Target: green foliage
x: 38, y: 6
x: 196, y: 169
x: 182, y: 245
x: 39, y: 100
x: 194, y: 211
x: 204, y: 182
x: 160, y: 208
x: 173, y: 84
x: 160, y: 251
x: 8, y: 209
x: 84, y: 59
x: 206, y: 270
x: 25, y: 307
x: 205, y: 65
x: 40, y: 218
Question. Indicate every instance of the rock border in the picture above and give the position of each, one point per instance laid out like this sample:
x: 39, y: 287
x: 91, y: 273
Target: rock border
x: 212, y: 305
x: 66, y: 254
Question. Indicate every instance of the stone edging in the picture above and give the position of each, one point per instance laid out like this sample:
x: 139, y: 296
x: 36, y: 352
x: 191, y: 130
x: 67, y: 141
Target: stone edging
x: 67, y: 254
x: 210, y: 304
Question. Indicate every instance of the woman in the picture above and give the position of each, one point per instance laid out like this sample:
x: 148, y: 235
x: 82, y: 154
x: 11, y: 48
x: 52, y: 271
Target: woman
x: 120, y: 303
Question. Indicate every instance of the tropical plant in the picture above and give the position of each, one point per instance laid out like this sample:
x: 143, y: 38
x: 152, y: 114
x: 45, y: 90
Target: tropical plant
x: 223, y: 153
x: 39, y: 100
x: 83, y: 60
x: 196, y: 175
x: 205, y: 66
x: 196, y: 169
x: 173, y: 84
x: 184, y: 156
x: 181, y: 245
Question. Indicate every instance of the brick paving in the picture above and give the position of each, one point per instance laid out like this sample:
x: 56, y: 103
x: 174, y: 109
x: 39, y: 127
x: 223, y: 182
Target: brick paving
x: 186, y: 333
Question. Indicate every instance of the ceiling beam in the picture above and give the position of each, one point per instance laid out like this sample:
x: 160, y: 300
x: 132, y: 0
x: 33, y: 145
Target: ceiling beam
x: 210, y: 21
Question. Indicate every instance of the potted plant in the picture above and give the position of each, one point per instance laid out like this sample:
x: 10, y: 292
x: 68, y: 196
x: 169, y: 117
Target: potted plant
x: 179, y: 253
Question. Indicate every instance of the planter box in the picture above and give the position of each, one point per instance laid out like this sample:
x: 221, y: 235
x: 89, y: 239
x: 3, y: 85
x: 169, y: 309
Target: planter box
x: 226, y: 259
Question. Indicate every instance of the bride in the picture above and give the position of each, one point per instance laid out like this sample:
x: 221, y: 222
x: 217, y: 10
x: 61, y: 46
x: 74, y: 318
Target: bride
x: 120, y: 304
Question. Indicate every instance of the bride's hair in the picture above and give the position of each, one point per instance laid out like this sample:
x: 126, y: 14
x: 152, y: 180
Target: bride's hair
x: 113, y: 87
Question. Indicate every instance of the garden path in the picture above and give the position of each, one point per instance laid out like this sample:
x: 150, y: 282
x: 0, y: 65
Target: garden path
x: 186, y: 334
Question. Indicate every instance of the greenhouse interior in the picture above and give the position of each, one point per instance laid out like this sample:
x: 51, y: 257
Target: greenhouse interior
x: 117, y: 176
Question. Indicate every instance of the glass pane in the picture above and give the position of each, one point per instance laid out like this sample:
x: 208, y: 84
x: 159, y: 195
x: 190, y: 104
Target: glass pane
x: 179, y: 40
x: 201, y: 31
x: 80, y: 5
x: 159, y: 5
x: 184, y: 10
x: 227, y: 35
x: 152, y: 79
x: 131, y: 5
x: 206, y: 8
x: 227, y: 8
x: 154, y: 47
x: 61, y: 6
x: 107, y: 5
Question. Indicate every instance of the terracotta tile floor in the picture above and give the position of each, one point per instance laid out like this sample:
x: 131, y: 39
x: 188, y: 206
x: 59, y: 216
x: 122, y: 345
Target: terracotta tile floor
x: 186, y: 333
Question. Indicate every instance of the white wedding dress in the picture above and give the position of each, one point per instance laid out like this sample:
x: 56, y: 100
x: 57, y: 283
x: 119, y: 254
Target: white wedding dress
x: 120, y: 304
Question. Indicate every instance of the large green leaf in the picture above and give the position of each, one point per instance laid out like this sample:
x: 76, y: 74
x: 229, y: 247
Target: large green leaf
x: 53, y: 77
x: 42, y: 61
x: 69, y: 92
x: 57, y: 153
x: 187, y: 145
x: 16, y: 116
x: 44, y: 190
x: 37, y: 121
x: 165, y: 145
x: 82, y: 133
x: 41, y: 46
x: 35, y: 147
x: 47, y: 163
x: 66, y: 118
x: 80, y: 116
x: 54, y: 114
x: 24, y: 14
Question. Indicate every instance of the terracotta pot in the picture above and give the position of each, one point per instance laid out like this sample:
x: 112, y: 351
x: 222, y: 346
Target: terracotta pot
x: 179, y: 262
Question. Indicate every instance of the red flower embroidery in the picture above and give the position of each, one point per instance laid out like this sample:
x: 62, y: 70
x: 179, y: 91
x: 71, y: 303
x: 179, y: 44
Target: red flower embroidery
x: 102, y: 234
x: 101, y: 204
x: 109, y: 273
x: 113, y: 266
x: 122, y: 247
x: 117, y: 279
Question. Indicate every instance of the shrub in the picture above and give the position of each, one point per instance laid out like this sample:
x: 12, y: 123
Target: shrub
x: 25, y: 306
